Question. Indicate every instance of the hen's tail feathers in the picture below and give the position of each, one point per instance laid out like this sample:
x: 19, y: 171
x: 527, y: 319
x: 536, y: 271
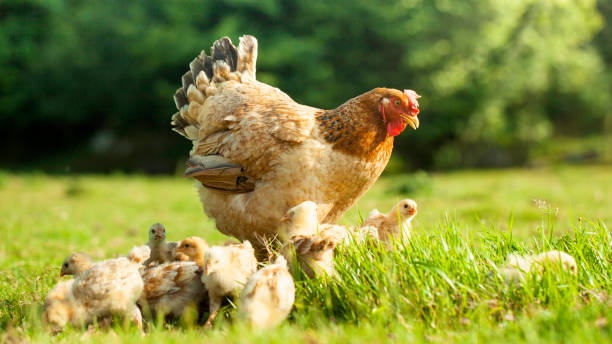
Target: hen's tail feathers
x: 225, y: 63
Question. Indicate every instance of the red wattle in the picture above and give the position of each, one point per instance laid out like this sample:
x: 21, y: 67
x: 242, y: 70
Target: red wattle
x: 395, y: 127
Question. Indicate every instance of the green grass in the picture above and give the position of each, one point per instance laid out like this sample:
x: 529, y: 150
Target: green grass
x: 441, y: 287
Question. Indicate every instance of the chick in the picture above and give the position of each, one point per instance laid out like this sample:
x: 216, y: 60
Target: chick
x: 61, y: 290
x: 161, y: 251
x: 396, y: 224
x: 76, y: 264
x: 60, y: 307
x: 304, y: 244
x: 192, y: 249
x: 516, y: 266
x: 107, y: 288
x: 299, y: 220
x: 555, y: 259
x: 349, y: 235
x: 172, y: 287
x: 226, y: 270
x: 268, y: 296
x: 139, y: 254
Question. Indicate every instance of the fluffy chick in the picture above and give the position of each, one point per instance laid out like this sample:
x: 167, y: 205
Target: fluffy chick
x: 161, y: 251
x: 106, y: 288
x: 226, y: 270
x: 516, y: 266
x: 299, y: 220
x: 304, y: 244
x: 192, y: 249
x: 348, y: 235
x: 172, y: 287
x: 139, y: 254
x: 76, y: 264
x: 60, y: 308
x: 268, y: 296
x: 395, y: 224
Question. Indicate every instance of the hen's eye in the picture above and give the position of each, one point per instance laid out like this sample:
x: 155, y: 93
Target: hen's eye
x: 186, y: 245
x: 396, y: 102
x: 405, y: 205
x: 65, y: 265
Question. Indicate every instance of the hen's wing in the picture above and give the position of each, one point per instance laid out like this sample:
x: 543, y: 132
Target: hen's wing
x: 238, y: 125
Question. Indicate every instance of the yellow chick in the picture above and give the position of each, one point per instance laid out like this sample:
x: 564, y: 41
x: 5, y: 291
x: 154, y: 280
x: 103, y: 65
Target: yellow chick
x: 139, y: 254
x: 348, y: 235
x: 60, y: 308
x: 304, y: 244
x: 268, y: 296
x: 172, y: 287
x: 554, y: 259
x: 396, y: 224
x: 107, y: 288
x: 226, y: 270
x: 76, y: 264
x: 299, y: 220
x: 192, y: 249
x: 516, y: 266
x: 161, y: 251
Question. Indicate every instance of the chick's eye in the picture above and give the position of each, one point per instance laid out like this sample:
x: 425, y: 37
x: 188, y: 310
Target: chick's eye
x: 65, y: 265
x: 405, y: 205
x: 152, y: 230
x: 396, y: 102
x: 186, y: 245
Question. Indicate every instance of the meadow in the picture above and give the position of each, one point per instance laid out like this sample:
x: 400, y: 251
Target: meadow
x: 443, y: 286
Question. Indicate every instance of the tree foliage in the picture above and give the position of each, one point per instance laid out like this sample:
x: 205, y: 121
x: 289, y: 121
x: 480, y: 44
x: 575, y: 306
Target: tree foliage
x: 97, y: 77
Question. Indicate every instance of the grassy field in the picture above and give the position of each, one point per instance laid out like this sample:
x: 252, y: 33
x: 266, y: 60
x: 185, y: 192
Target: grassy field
x: 441, y: 287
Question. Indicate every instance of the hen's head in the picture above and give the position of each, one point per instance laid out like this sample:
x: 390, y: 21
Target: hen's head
x: 398, y: 108
x: 157, y: 232
x: 75, y: 264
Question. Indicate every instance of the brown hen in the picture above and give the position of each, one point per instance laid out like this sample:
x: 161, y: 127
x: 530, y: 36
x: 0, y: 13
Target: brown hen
x: 256, y: 152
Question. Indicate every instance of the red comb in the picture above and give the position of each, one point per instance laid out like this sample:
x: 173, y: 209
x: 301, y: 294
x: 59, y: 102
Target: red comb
x: 412, y: 99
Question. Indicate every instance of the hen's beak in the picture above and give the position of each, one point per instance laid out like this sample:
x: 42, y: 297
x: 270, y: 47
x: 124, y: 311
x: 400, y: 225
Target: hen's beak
x: 62, y: 273
x: 412, y: 121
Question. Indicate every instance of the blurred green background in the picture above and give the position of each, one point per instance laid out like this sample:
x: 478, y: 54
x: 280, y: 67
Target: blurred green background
x: 87, y: 85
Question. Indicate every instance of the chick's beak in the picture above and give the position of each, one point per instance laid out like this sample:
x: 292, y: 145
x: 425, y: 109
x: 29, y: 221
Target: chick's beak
x: 62, y: 273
